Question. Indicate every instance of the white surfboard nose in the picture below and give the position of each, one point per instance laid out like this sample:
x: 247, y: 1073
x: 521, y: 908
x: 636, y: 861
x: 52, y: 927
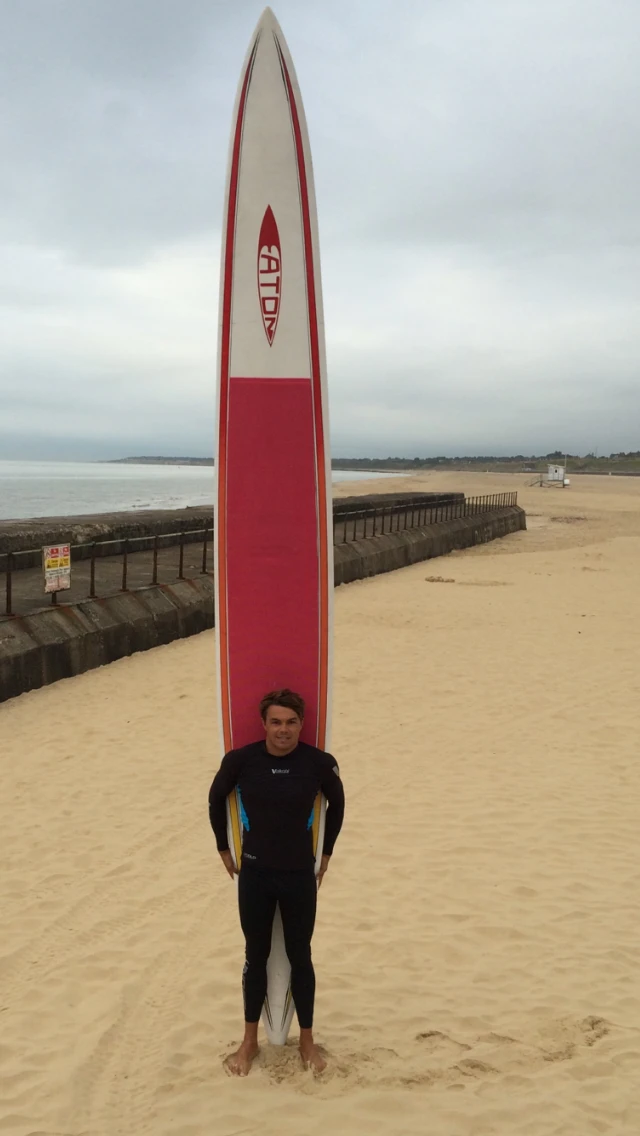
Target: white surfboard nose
x: 268, y: 21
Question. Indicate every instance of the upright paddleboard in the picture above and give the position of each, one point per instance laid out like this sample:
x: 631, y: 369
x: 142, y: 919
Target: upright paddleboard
x: 273, y: 523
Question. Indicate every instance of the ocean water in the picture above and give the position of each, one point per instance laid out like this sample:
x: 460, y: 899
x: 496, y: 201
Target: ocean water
x: 62, y: 489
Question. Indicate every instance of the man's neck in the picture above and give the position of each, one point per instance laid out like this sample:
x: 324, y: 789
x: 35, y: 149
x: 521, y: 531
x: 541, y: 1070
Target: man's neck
x: 279, y: 752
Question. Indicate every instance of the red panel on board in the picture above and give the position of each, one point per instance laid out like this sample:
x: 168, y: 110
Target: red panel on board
x: 273, y: 574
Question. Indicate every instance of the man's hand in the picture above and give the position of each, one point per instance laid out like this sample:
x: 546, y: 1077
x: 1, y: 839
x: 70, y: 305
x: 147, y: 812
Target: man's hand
x: 324, y: 864
x: 227, y: 860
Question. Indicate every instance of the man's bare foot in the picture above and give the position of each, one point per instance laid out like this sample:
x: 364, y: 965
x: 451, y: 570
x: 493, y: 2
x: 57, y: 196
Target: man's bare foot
x: 310, y: 1053
x: 240, y: 1062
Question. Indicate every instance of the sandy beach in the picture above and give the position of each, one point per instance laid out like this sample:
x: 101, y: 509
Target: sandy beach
x: 478, y: 938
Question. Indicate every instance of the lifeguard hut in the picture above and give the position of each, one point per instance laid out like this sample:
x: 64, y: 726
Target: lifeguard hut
x: 555, y: 476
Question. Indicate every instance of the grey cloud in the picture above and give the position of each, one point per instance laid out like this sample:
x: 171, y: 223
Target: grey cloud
x: 476, y: 167
x: 115, y: 114
x: 518, y: 130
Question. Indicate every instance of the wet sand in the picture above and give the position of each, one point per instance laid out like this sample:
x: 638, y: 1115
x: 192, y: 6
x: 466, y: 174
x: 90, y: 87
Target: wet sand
x: 477, y: 944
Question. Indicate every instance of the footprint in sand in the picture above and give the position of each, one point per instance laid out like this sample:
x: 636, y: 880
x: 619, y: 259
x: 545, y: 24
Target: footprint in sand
x: 434, y: 1041
x: 473, y: 1068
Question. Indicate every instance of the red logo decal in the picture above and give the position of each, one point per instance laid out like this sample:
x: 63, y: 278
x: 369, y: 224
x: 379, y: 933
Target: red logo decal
x: 269, y: 273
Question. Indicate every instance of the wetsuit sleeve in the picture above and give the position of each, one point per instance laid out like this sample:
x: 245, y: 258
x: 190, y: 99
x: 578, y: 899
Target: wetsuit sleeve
x: 223, y: 783
x: 331, y: 786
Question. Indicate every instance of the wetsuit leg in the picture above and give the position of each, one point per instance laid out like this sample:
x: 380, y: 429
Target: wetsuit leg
x: 257, y: 903
x: 297, y: 896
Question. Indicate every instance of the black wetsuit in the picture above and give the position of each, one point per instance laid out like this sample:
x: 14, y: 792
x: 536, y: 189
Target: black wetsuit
x: 277, y: 796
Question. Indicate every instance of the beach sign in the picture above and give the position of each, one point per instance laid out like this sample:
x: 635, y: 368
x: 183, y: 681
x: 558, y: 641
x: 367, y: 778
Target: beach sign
x: 56, y: 560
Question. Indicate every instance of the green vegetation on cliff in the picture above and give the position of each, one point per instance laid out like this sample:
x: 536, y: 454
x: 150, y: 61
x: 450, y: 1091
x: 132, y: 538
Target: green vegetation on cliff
x: 518, y: 463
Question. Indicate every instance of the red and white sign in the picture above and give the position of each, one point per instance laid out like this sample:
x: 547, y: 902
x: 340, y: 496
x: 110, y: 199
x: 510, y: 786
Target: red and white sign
x: 269, y: 273
x: 56, y: 561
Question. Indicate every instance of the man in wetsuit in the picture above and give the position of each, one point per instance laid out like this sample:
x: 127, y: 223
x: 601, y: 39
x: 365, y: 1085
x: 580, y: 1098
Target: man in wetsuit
x: 278, y: 779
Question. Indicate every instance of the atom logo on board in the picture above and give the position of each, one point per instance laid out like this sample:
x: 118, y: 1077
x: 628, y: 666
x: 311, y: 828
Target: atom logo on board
x: 269, y: 273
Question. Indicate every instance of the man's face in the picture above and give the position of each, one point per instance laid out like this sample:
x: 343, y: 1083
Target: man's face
x: 282, y: 727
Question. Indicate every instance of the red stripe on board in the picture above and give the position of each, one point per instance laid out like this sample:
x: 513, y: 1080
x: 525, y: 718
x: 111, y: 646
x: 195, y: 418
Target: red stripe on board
x: 274, y: 578
x: 318, y: 409
x: 221, y: 457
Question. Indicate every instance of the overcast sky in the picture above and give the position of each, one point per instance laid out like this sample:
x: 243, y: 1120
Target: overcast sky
x: 477, y: 169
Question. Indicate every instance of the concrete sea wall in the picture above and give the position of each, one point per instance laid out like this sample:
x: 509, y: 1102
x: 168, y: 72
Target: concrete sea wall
x: 62, y: 641
x: 58, y: 642
x: 361, y: 558
x: 28, y: 537
x: 32, y: 534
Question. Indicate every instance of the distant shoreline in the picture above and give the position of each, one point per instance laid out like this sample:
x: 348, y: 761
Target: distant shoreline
x: 211, y: 462
x: 401, y: 466
x: 157, y: 461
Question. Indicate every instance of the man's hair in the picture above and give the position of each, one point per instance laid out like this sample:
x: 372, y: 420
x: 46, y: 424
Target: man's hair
x: 284, y: 697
